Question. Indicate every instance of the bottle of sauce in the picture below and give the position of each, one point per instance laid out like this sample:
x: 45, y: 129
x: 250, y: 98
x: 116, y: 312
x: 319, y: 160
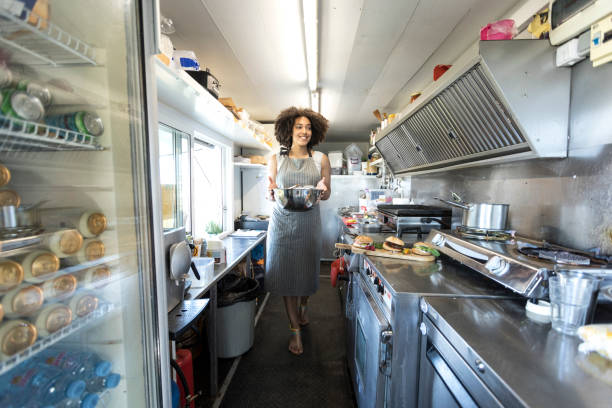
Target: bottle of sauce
x: 39, y: 266
x: 83, y: 304
x: 51, y: 318
x: 22, y: 301
x: 15, y: 336
x: 11, y: 274
x: 59, y: 288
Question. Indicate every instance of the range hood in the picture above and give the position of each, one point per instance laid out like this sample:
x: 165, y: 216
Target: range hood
x: 501, y: 101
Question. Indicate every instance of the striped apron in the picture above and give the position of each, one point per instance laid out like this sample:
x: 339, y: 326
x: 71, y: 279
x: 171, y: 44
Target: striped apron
x: 294, y: 237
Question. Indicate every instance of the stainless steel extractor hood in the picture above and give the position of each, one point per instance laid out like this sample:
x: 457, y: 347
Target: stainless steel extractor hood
x: 502, y: 100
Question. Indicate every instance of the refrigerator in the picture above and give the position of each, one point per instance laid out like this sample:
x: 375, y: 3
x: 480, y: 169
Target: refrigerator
x: 82, y: 284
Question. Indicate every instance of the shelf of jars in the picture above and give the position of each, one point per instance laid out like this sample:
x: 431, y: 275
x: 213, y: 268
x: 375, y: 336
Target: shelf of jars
x: 180, y: 91
x: 36, y: 41
x: 25, y: 333
x: 22, y: 135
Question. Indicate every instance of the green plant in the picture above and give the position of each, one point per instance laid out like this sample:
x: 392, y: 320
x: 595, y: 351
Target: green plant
x: 213, y: 228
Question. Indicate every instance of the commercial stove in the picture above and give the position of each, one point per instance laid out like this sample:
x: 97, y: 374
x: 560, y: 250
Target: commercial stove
x: 519, y: 263
x: 418, y: 219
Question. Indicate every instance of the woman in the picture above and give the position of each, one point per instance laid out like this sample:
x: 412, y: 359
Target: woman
x: 294, y: 237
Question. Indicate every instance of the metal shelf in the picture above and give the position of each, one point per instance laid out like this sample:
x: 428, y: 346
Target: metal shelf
x: 43, y: 43
x: 19, y: 135
x: 94, y: 317
x: 250, y: 165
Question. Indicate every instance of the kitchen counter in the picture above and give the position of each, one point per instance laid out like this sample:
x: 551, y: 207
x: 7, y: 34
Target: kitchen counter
x: 237, y: 249
x: 541, y: 366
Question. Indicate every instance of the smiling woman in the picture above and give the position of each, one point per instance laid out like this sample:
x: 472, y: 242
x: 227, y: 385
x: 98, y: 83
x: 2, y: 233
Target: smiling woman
x: 294, y: 237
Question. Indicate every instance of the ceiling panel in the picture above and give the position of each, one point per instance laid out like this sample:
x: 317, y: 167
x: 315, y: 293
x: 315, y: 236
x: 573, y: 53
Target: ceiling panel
x: 372, y: 54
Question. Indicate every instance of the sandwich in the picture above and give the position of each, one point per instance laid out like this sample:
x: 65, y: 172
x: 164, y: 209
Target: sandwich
x: 421, y: 248
x: 393, y: 244
x: 363, y: 241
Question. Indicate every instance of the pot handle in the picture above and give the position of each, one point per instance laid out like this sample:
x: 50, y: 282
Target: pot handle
x: 454, y: 204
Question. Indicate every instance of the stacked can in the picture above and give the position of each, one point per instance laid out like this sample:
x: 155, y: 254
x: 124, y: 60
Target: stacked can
x: 86, y: 123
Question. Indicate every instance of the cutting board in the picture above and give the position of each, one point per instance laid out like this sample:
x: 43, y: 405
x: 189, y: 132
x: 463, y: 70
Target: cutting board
x: 386, y: 254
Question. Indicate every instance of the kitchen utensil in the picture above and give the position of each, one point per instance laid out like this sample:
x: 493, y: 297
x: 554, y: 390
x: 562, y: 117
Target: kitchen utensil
x: 572, y: 298
x: 180, y: 260
x: 297, y: 199
x: 481, y: 215
x: 386, y: 254
x: 8, y: 216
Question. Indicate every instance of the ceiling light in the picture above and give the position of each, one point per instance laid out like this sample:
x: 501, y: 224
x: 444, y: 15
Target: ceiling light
x: 315, y: 101
x: 310, y: 10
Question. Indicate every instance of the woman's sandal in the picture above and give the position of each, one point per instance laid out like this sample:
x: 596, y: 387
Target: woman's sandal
x: 297, y: 348
x: 302, y: 314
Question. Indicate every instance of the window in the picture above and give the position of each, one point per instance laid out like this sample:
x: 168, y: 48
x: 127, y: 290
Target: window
x: 208, y: 187
x: 175, y: 177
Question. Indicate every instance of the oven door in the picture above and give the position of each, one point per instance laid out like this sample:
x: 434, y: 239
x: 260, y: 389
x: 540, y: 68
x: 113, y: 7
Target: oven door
x: 445, y: 379
x: 373, y: 347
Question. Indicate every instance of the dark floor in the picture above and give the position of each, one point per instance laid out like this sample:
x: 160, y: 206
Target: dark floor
x: 270, y: 376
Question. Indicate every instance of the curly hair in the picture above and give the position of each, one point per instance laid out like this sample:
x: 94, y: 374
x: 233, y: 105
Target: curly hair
x: 283, y: 126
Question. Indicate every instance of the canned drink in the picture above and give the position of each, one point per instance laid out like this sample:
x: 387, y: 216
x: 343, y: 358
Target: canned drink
x: 92, y: 223
x: 22, y: 301
x: 9, y: 197
x: 95, y: 278
x: 36, y: 89
x: 91, y: 250
x: 5, y: 175
x: 65, y: 243
x: 39, y: 266
x: 19, y: 104
x: 11, y: 274
x: 59, y: 288
x: 87, y: 123
x: 15, y: 336
x: 51, y: 318
x: 83, y: 304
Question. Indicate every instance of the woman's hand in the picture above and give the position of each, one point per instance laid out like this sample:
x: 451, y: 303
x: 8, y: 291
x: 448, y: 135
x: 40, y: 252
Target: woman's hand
x: 324, y: 190
x: 271, y: 187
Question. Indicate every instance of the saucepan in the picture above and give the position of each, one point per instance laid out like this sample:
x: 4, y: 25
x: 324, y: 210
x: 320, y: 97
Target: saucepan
x: 481, y: 215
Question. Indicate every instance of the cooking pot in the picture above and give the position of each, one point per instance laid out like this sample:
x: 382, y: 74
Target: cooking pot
x: 481, y: 215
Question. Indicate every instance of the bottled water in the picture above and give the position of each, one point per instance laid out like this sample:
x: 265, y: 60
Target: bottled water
x: 80, y: 364
x: 101, y: 384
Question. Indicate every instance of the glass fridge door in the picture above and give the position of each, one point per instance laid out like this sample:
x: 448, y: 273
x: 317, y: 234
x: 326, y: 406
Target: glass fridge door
x: 80, y: 317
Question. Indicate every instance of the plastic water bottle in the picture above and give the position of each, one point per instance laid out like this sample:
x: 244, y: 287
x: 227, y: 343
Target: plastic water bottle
x: 53, y: 385
x: 87, y: 401
x: 101, y: 384
x: 38, y: 385
x: 80, y: 364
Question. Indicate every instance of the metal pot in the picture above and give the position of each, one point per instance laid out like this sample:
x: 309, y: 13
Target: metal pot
x: 481, y: 215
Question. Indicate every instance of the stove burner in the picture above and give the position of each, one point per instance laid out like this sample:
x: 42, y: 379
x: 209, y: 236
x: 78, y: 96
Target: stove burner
x: 484, y: 234
x: 557, y: 256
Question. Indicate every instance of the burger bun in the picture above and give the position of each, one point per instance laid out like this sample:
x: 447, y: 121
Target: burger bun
x: 418, y: 251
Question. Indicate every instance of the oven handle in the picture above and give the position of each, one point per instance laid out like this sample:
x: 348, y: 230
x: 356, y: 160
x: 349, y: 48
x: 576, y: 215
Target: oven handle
x: 386, y: 351
x: 448, y: 377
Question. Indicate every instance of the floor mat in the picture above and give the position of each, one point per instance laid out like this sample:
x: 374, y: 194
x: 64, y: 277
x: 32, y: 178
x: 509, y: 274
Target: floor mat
x: 270, y: 376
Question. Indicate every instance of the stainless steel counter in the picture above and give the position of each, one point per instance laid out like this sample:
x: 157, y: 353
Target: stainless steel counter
x: 237, y: 249
x: 543, y: 368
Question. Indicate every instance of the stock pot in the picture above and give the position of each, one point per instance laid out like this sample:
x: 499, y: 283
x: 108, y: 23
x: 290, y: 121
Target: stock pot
x: 481, y: 215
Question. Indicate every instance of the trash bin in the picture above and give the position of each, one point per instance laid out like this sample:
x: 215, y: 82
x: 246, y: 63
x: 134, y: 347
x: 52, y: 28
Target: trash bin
x: 235, y: 315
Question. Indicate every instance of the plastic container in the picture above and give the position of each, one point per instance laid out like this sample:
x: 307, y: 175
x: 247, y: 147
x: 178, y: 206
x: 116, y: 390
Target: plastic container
x: 79, y: 364
x: 215, y: 249
x: 572, y: 299
x: 101, y: 384
x: 499, y: 30
x: 335, y: 159
x: 236, y: 315
x: 353, y: 158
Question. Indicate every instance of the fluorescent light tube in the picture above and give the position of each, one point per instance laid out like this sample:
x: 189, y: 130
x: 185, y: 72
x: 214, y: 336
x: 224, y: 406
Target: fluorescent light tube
x: 310, y: 10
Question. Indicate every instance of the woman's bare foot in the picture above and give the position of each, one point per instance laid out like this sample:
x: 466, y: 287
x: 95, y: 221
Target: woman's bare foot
x: 302, y: 309
x: 295, y: 341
